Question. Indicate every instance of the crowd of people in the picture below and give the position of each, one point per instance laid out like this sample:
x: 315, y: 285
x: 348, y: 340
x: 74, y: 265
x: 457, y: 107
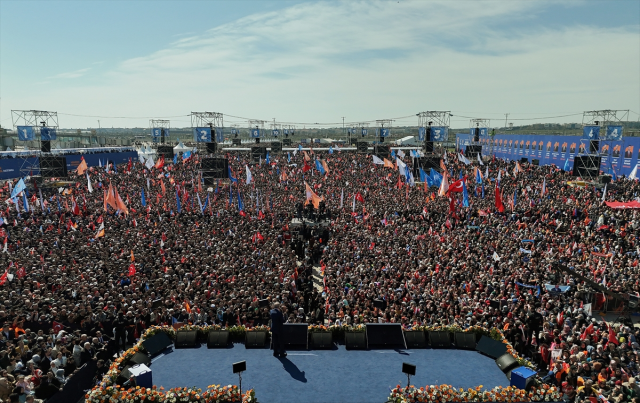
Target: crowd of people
x: 91, y: 264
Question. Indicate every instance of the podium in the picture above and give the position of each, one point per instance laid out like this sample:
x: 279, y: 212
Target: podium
x: 143, y: 375
x: 521, y: 377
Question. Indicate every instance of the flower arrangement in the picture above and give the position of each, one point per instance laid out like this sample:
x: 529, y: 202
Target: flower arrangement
x: 447, y: 393
x: 108, y: 391
x: 213, y: 394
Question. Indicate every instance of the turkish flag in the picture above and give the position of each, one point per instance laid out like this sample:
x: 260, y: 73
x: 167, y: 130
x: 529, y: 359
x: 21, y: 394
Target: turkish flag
x: 160, y: 163
x: 132, y: 269
x: 56, y: 326
x: 457, y: 185
x: 306, y: 167
x: 359, y: 197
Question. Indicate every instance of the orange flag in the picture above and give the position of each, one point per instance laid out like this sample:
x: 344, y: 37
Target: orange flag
x: 133, y: 258
x: 110, y: 199
x: 163, y: 188
x: 324, y: 165
x: 82, y: 167
x: 387, y: 163
x: 121, y: 206
x: 312, y: 197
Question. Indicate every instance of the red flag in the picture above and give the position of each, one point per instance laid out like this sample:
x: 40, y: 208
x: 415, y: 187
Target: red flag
x: 129, y: 165
x: 57, y: 326
x: 587, y: 332
x: 612, y: 337
x: 160, y: 163
x: 499, y: 205
x: 132, y: 269
x: 359, y: 197
x: 21, y: 272
x: 3, y: 278
x: 306, y: 167
x: 457, y: 185
x: 260, y: 215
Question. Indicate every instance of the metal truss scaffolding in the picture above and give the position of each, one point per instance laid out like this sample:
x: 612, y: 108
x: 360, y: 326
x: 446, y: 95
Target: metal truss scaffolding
x: 36, y: 120
x: 593, y: 152
x: 437, y: 118
x: 162, y: 125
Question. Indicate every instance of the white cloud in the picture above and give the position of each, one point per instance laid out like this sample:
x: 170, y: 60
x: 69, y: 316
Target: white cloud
x: 315, y: 62
x: 72, y: 74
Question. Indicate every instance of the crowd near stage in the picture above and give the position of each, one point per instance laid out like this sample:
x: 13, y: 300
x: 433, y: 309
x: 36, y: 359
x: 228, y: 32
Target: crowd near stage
x: 386, y: 274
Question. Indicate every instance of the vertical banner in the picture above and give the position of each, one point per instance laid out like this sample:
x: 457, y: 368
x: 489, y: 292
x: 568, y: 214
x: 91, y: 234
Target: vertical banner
x: 439, y: 133
x: 384, y: 132
x: 364, y: 132
x: 47, y: 134
x: 25, y: 133
x: 591, y: 132
x: 255, y: 133
x: 422, y: 131
x: 614, y: 133
x: 202, y: 134
x: 220, y: 134
x: 275, y: 133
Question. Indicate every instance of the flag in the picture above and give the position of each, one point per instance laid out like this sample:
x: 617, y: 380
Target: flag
x: 359, y: 197
x: 268, y: 160
x: 566, y: 165
x: 206, y: 203
x: 480, y: 159
x: 305, y: 167
x: 179, y: 208
x: 132, y: 269
x: 495, y: 256
x: 517, y: 168
x: 312, y: 197
x: 249, y: 177
x: 20, y: 186
x: 457, y: 186
x: 401, y: 167
x: 231, y: 178
x: 387, y: 163
x: 341, y: 198
x: 89, y: 187
x: 604, y: 193
x: 175, y: 159
x: 444, y: 186
x: 160, y: 162
x: 149, y: 164
x: 465, y: 195
x: 478, y: 176
x: 544, y: 186
x: 319, y: 167
x: 325, y: 166
x: 240, y: 204
x: 142, y: 199
x: 82, y: 167
x: 499, y: 205
x: 199, y: 202
x: 463, y: 159
x: 330, y: 150
x: 633, y: 173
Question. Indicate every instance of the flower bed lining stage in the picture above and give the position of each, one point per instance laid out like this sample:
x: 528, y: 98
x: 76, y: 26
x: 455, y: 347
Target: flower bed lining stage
x: 108, y: 391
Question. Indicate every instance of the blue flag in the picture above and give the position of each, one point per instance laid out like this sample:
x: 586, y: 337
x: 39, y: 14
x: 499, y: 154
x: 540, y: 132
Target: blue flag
x: 231, y: 176
x: 465, y: 194
x: 483, y: 190
x: 330, y: 150
x: 288, y: 157
x: 178, y: 202
x: 240, y: 204
x: 143, y: 201
x: 478, y: 177
x: 217, y: 185
x: 206, y: 203
x: 299, y: 147
x: 566, y: 165
x: 20, y: 186
x: 230, y: 196
x: 393, y: 154
x: 114, y: 168
x: 268, y: 159
x: 436, y: 177
x: 319, y: 167
x: 175, y: 158
x: 515, y: 198
x: 423, y: 176
x: 58, y: 200
x: 25, y: 203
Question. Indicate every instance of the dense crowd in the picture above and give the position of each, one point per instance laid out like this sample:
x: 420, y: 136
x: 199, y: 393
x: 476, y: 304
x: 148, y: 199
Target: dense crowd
x: 89, y: 269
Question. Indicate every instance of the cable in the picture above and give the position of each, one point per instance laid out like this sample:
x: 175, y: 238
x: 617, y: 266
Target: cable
x: 123, y: 117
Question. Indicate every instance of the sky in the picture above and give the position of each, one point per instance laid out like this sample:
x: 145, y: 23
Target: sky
x: 309, y: 62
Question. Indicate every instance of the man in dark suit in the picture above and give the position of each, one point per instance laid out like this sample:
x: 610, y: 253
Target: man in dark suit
x: 277, y: 320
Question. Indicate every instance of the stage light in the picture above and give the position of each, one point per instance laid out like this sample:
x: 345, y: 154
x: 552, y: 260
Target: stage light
x: 239, y: 368
x: 408, y: 369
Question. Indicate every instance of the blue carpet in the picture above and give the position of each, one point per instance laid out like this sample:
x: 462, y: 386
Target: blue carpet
x: 324, y: 375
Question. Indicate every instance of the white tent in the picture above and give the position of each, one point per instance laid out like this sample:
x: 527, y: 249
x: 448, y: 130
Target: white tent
x: 181, y: 148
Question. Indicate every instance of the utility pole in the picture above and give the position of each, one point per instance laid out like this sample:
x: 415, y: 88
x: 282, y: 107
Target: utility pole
x: 506, y: 115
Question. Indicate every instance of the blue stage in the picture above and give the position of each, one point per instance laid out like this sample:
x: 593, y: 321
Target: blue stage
x: 324, y: 375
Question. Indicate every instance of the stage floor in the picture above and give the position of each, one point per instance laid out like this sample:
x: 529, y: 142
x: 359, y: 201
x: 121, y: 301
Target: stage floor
x: 324, y: 375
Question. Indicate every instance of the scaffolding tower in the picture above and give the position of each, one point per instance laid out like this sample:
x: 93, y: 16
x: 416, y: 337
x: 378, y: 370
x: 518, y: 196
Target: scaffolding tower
x: 37, y: 120
x: 593, y: 151
x: 164, y: 126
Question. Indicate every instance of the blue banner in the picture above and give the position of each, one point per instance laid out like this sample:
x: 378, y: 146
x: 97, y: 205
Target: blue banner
x: 255, y: 133
x: 202, y: 134
x: 219, y: 134
x: 614, y: 133
x: 364, y: 132
x: 275, y: 132
x: 384, y: 132
x: 483, y: 131
x: 421, y: 133
x: 234, y: 131
x: 591, y: 132
x: 48, y: 134
x: 439, y: 133
x: 25, y: 133
x: 286, y: 131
